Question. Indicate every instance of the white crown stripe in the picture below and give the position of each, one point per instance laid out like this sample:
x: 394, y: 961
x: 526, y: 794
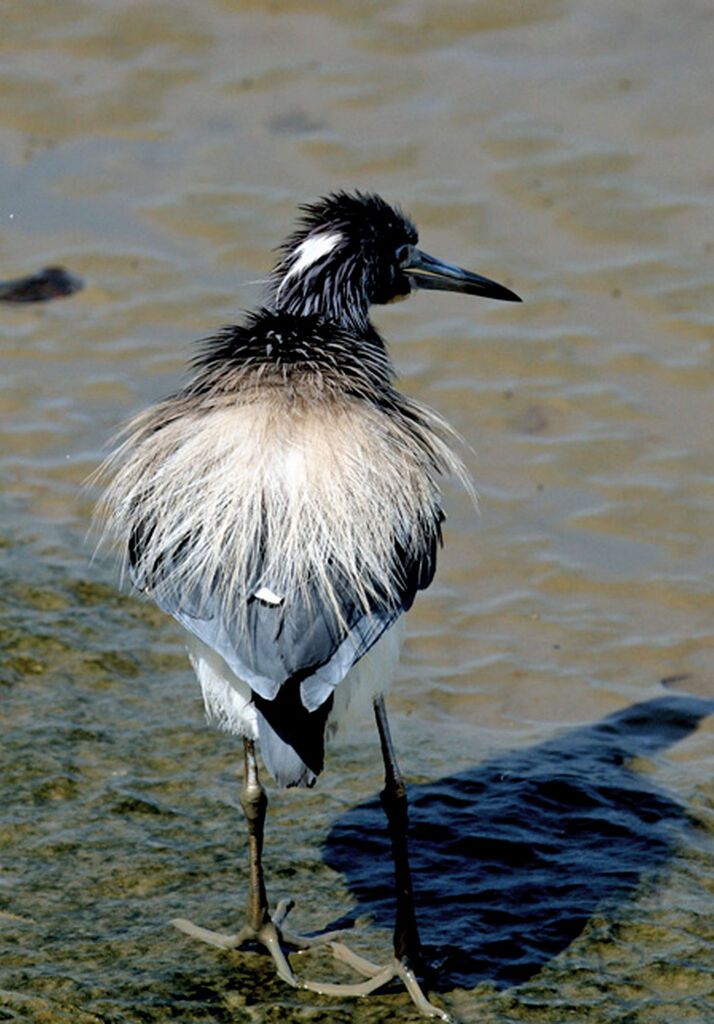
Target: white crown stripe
x: 314, y: 248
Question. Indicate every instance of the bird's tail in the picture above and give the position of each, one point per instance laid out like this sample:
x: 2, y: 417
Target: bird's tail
x: 292, y: 739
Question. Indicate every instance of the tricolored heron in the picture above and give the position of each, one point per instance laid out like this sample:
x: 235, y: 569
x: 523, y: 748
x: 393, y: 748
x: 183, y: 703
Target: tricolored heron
x: 284, y: 507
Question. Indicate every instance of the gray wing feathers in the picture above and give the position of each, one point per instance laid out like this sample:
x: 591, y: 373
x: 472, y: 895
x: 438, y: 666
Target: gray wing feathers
x: 292, y: 649
x: 364, y: 634
x: 297, y: 638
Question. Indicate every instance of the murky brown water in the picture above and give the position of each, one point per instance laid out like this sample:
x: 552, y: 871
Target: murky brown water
x: 159, y: 150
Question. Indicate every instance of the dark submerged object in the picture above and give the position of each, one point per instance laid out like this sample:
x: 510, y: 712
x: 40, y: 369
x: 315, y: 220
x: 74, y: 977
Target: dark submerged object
x: 50, y: 283
x: 284, y: 507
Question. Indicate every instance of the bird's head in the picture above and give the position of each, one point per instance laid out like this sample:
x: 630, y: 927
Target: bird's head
x: 351, y: 251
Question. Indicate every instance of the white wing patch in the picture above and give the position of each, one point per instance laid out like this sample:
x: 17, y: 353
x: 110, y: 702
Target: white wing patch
x: 268, y: 596
x: 313, y: 249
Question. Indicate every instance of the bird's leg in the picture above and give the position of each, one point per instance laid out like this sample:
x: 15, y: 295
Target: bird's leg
x: 260, y: 927
x: 407, y: 947
x: 264, y: 928
x: 268, y: 931
x: 254, y: 802
x: 407, y: 951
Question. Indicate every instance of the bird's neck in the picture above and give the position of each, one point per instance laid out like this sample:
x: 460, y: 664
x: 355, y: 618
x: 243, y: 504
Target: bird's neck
x: 341, y: 301
x: 308, y: 351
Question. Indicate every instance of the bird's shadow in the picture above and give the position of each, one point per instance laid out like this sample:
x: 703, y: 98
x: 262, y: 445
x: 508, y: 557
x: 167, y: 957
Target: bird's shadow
x: 510, y: 859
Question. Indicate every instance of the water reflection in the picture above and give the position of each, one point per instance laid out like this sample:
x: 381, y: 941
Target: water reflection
x: 512, y: 858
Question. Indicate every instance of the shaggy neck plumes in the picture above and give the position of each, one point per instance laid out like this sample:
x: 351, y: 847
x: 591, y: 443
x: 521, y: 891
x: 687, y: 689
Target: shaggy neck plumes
x: 307, y: 282
x: 299, y: 353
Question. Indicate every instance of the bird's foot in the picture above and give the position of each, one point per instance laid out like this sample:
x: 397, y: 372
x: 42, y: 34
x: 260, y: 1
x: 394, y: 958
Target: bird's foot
x: 270, y: 935
x: 273, y: 937
x: 376, y: 977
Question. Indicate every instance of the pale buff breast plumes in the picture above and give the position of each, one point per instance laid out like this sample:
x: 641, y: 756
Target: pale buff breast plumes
x: 285, y: 483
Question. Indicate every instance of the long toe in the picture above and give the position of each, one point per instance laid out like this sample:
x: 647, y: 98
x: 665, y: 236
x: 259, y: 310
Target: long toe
x: 219, y: 939
x: 376, y: 977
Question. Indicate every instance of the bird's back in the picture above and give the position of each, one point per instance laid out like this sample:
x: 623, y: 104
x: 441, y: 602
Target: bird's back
x: 284, y: 515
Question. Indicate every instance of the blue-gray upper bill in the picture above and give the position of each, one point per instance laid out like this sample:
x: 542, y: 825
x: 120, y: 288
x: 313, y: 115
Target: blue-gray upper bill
x: 424, y: 271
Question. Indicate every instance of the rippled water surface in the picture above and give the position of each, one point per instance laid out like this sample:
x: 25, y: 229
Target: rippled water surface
x: 553, y: 709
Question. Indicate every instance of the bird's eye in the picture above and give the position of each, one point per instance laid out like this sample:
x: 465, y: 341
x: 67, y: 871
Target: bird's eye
x: 402, y: 254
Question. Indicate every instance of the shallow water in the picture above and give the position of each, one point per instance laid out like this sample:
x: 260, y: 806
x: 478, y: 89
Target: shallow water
x: 158, y: 151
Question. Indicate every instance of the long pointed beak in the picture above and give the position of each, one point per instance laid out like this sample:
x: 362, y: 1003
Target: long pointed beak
x: 424, y: 271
